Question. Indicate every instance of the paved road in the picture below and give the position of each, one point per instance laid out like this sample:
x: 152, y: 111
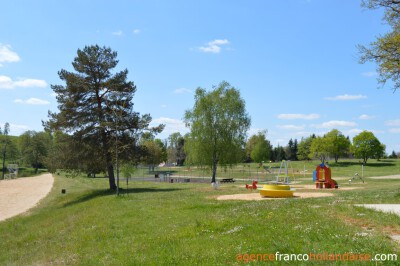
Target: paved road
x: 392, y: 208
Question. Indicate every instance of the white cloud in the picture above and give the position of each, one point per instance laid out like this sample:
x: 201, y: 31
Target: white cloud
x: 32, y: 101
x: 7, y: 55
x: 171, y: 125
x: 213, y: 46
x: 18, y: 129
x: 393, y: 123
x: 254, y: 131
x: 346, y: 97
x: 164, y: 106
x: 354, y: 131
x: 136, y: 31
x: 8, y: 83
x: 298, y: 116
x: 336, y: 123
x: 366, y: 117
x: 369, y: 74
x: 291, y: 127
x: 182, y: 90
x: 394, y: 130
x: 117, y: 33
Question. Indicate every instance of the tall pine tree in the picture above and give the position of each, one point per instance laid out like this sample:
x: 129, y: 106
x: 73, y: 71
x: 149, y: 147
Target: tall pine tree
x: 96, y: 107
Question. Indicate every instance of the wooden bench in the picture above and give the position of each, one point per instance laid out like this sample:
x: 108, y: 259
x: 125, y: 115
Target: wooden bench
x: 227, y: 180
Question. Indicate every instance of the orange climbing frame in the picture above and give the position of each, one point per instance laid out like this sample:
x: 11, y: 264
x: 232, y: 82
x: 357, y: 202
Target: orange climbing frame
x: 323, y: 177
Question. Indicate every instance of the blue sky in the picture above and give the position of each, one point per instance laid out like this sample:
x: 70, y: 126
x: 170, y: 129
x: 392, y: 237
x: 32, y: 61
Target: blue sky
x: 295, y: 62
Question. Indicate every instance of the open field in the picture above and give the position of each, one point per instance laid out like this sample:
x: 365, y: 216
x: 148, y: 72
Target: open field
x: 344, y: 169
x: 159, y: 223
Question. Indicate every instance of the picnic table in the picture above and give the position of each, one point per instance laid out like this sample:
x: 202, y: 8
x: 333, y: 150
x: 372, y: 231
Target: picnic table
x: 227, y: 180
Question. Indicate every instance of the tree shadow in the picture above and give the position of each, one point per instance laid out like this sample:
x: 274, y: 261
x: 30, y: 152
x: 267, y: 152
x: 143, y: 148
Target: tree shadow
x: 101, y: 193
x: 381, y: 163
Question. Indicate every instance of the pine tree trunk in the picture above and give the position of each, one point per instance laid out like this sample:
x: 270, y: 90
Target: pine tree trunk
x: 110, y: 172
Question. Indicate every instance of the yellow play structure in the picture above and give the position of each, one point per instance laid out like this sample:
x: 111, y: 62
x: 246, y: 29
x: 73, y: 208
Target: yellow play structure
x: 276, y: 191
x: 280, y: 188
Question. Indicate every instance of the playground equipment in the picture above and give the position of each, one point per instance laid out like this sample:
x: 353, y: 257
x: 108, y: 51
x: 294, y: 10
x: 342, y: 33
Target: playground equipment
x: 277, y: 191
x: 12, y: 171
x: 283, y: 174
x: 356, y: 176
x: 322, y: 177
x: 280, y: 188
x: 252, y: 186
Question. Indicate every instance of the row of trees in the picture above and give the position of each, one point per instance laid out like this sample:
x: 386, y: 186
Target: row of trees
x: 29, y: 149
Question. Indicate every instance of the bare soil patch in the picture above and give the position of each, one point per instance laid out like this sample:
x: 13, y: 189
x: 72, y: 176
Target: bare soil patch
x: 257, y: 196
x: 19, y: 195
x: 386, y: 177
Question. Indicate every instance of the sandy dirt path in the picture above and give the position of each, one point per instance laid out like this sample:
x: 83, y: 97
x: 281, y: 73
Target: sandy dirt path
x: 19, y: 195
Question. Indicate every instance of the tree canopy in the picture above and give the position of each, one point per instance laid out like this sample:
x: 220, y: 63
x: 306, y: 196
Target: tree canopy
x: 96, y: 108
x: 218, y: 126
x: 366, y: 145
x: 385, y: 51
x: 339, y: 145
x: 258, y: 148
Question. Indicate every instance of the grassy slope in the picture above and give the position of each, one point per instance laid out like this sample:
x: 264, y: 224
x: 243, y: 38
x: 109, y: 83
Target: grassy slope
x: 169, y: 224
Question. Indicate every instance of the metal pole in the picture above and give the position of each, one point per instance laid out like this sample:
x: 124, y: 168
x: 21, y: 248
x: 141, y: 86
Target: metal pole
x: 116, y: 151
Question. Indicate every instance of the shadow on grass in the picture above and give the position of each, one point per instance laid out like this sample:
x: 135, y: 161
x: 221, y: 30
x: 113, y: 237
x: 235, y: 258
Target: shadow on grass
x: 382, y: 163
x: 101, y: 193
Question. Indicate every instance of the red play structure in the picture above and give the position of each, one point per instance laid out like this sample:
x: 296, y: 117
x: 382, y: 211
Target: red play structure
x: 252, y: 186
x: 322, y: 176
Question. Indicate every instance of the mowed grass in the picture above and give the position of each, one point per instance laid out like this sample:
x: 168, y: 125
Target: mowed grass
x: 268, y: 171
x: 183, y: 224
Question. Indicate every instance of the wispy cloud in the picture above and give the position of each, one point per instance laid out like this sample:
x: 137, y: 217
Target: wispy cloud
x: 354, y: 131
x: 291, y: 127
x: 366, y: 117
x: 7, y: 55
x: 393, y: 123
x: 8, y: 83
x: 171, y: 125
x: 213, y: 46
x: 182, y: 90
x: 32, y: 101
x: 254, y: 131
x: 394, y: 130
x: 336, y: 123
x: 299, y: 116
x: 117, y: 33
x: 369, y: 74
x: 346, y: 97
x: 136, y: 31
x: 17, y: 129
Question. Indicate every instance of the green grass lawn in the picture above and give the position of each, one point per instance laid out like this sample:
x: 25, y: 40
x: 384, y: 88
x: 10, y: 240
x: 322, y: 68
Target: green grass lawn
x: 343, y: 168
x: 184, y: 224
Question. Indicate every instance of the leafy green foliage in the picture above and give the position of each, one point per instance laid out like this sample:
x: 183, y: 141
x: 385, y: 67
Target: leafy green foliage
x: 155, y: 152
x: 8, y: 149
x: 385, y: 51
x: 339, y: 145
x: 175, y: 150
x: 366, y: 145
x: 218, y: 124
x: 292, y: 149
x: 34, y: 148
x: 320, y: 148
x: 304, y: 148
x: 258, y: 148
